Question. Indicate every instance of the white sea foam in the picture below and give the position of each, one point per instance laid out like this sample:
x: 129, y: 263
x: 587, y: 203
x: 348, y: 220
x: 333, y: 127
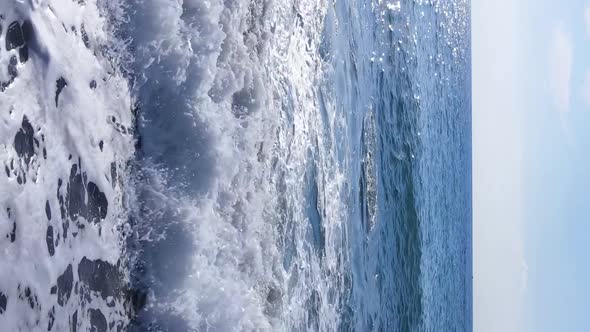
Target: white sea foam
x: 82, y: 119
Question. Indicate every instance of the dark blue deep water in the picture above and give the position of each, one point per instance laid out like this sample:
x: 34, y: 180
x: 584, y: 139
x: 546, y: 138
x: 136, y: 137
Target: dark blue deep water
x: 407, y: 70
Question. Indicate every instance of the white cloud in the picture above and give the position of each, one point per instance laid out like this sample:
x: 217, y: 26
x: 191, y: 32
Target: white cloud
x: 587, y: 18
x: 561, y: 68
x: 524, y: 274
x: 586, y: 88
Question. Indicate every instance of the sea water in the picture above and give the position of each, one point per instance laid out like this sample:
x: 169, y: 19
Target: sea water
x: 235, y: 165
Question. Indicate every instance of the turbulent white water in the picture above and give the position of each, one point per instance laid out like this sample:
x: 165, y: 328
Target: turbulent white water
x: 232, y: 87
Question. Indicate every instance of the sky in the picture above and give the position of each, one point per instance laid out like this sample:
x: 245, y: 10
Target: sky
x: 531, y: 164
x: 499, y: 276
